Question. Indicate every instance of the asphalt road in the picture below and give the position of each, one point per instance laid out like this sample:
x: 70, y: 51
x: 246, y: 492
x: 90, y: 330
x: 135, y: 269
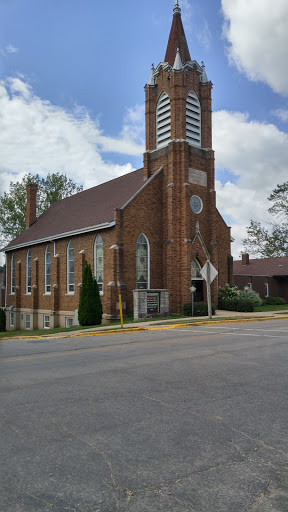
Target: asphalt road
x: 190, y: 419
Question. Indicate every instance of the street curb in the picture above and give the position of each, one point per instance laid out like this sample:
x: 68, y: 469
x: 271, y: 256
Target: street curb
x: 143, y: 329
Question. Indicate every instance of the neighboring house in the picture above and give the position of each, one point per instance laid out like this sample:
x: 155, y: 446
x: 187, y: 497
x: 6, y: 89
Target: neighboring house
x: 151, y: 229
x: 267, y: 276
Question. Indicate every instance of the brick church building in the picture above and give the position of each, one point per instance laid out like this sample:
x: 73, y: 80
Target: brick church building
x: 151, y: 229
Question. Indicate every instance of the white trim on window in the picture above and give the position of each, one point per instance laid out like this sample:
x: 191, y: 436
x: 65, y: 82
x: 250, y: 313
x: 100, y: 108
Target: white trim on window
x: 47, y: 270
x: 142, y: 263
x: 193, y: 119
x: 46, y: 321
x: 69, y: 321
x: 28, y: 272
x: 163, y: 120
x: 266, y: 290
x: 70, y: 268
x: 12, y: 283
x: 27, y: 322
x: 99, y: 263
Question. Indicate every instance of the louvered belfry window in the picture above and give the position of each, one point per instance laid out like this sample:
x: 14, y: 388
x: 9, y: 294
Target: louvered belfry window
x: 193, y: 119
x: 163, y: 120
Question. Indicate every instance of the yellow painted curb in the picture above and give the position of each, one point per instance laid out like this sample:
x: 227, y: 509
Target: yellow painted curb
x: 143, y: 329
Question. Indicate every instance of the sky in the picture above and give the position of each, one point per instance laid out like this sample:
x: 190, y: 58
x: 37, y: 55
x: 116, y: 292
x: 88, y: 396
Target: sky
x: 72, y: 77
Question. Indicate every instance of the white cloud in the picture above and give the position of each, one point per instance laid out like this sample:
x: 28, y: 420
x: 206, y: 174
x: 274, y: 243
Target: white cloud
x: 8, y: 49
x: 257, y: 155
x: 282, y: 114
x: 258, y: 39
x: 39, y: 137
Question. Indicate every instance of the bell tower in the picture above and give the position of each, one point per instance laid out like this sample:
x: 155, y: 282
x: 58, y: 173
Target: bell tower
x: 179, y: 140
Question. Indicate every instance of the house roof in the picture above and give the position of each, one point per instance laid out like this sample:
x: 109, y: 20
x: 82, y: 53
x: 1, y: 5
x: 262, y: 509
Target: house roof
x: 262, y: 267
x: 91, y: 208
x: 177, y: 39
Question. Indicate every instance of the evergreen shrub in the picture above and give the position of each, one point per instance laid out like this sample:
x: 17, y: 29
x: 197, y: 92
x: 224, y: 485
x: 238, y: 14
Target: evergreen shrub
x: 2, y: 320
x: 271, y: 301
x: 236, y: 304
x: 90, y: 305
x: 200, y: 309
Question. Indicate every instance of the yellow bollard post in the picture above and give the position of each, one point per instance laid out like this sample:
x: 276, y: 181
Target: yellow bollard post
x: 121, y: 312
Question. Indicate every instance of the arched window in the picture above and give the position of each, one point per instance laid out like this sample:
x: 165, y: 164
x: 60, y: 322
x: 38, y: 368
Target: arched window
x: 193, y: 119
x: 70, y: 267
x: 99, y: 262
x: 195, y: 270
x: 13, y: 273
x: 142, y: 263
x: 28, y: 272
x: 163, y: 120
x: 47, y: 270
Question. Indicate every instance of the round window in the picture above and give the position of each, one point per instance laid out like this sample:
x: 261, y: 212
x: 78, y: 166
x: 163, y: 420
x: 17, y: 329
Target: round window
x: 196, y: 204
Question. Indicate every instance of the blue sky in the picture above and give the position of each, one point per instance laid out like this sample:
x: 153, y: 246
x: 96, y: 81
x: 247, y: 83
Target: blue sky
x: 72, y: 76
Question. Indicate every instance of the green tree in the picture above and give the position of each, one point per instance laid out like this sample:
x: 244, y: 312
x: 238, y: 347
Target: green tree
x: 13, y: 203
x: 90, y: 305
x: 268, y: 243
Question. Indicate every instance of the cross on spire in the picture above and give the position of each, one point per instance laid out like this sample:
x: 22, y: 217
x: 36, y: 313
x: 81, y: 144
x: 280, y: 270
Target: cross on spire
x: 177, y: 9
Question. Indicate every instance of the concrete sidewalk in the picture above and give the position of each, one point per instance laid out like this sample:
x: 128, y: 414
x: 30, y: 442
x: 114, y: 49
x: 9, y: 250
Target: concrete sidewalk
x: 220, y: 315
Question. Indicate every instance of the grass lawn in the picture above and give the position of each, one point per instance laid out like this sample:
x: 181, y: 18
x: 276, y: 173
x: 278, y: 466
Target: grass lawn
x: 261, y: 309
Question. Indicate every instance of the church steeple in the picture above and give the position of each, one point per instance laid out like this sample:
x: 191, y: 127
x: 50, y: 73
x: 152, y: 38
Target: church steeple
x: 177, y: 39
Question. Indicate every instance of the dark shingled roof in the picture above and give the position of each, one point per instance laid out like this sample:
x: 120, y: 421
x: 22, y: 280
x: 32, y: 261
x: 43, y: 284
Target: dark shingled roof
x: 83, y: 210
x: 262, y: 267
x: 177, y: 39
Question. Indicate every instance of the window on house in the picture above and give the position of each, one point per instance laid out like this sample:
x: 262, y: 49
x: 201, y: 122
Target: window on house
x: 249, y: 286
x: 46, y: 321
x: 142, y: 263
x: 70, y: 267
x: 13, y: 273
x: 266, y: 290
x: 28, y: 272
x: 163, y: 120
x: 69, y: 322
x: 193, y: 119
x: 47, y: 270
x: 27, y: 321
x: 11, y: 319
x: 99, y: 262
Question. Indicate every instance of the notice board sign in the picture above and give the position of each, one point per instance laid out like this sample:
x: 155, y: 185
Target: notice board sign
x: 152, y: 303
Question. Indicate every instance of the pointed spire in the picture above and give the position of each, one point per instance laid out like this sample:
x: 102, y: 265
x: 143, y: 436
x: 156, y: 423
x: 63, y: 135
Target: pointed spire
x: 177, y: 39
x: 177, y: 63
x: 152, y: 77
x: 177, y: 9
x: 204, y: 78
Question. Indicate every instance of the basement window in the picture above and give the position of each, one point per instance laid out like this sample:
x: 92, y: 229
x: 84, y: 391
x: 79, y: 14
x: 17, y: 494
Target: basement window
x: 27, y: 322
x: 69, y: 322
x: 11, y: 319
x: 46, y: 321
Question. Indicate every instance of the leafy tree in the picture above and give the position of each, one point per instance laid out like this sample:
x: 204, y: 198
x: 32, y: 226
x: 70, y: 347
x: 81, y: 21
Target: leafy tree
x: 90, y: 305
x: 54, y: 187
x: 272, y: 242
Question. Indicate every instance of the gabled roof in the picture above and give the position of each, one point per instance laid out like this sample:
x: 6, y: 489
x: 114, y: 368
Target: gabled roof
x: 262, y: 267
x: 87, y: 210
x: 177, y: 39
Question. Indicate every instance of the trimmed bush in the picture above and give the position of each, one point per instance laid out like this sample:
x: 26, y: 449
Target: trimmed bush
x: 200, y: 309
x: 90, y: 305
x: 273, y: 301
x: 2, y: 320
x: 236, y: 304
